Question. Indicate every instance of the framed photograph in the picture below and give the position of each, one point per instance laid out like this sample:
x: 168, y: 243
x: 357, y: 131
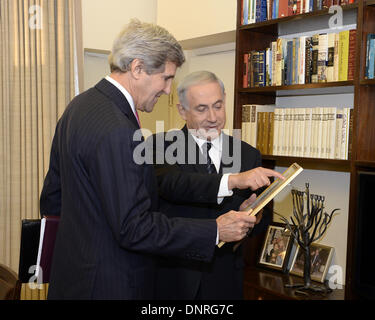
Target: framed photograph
x: 276, y: 247
x: 321, y: 257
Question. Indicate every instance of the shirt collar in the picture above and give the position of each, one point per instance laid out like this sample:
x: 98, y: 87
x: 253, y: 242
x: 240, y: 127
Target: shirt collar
x: 216, y: 143
x: 124, y: 92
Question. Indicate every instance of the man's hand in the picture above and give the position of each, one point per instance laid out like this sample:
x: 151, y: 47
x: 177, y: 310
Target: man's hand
x: 233, y: 225
x: 253, y: 179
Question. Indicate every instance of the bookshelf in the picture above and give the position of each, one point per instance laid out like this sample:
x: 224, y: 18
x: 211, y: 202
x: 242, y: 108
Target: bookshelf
x: 258, y: 36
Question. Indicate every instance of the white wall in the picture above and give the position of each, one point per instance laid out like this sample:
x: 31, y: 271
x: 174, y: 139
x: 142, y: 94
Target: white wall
x: 102, y: 20
x: 219, y: 61
x: 188, y: 19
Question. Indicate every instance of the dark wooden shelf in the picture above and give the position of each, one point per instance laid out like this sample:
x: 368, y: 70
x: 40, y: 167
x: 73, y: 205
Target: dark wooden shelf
x: 310, y: 163
x: 269, y: 25
x: 370, y: 3
x: 262, y: 284
x: 368, y: 82
x: 272, y: 89
x: 368, y: 164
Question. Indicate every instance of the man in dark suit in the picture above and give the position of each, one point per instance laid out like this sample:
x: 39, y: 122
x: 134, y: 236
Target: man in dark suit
x: 109, y: 228
x: 191, y: 188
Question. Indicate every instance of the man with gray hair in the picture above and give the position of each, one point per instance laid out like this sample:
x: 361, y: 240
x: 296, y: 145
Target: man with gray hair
x: 110, y: 229
x: 228, y: 179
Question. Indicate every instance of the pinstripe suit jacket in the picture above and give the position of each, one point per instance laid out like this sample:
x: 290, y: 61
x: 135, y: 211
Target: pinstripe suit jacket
x: 109, y: 228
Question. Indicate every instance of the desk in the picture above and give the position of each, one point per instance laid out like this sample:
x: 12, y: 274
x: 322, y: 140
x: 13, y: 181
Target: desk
x: 261, y: 284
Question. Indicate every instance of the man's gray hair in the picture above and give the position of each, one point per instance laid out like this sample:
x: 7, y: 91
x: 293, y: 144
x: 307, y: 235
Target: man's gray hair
x: 196, y: 78
x: 150, y: 43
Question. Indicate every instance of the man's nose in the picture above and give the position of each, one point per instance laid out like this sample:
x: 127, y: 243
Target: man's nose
x: 211, y: 115
x: 167, y: 89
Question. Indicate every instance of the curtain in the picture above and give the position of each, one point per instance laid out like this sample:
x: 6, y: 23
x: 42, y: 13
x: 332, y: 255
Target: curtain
x: 41, y: 63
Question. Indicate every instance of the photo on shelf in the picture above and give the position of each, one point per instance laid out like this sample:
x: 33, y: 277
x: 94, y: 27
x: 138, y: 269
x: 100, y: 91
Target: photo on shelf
x: 276, y: 248
x: 321, y: 257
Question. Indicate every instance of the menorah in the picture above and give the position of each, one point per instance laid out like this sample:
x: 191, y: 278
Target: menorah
x: 307, y: 226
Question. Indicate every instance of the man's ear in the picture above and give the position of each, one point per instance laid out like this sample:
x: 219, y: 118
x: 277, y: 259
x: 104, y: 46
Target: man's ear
x: 181, y: 111
x: 136, y: 68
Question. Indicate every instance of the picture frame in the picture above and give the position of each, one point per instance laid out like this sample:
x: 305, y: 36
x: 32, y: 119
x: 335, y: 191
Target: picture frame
x: 321, y: 257
x: 276, y: 248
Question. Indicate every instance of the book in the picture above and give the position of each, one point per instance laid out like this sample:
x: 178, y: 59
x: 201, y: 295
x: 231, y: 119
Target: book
x: 253, y: 126
x: 245, y: 124
x: 314, y: 58
x: 331, y: 132
x: 48, y: 231
x: 343, y: 55
x: 272, y: 191
x: 245, y: 81
x: 331, y: 56
x: 322, y: 57
x: 351, y: 54
x: 308, y: 59
x: 307, y: 135
x: 271, y: 116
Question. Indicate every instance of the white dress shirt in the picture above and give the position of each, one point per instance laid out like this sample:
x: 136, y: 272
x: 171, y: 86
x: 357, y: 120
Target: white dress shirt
x: 215, y: 155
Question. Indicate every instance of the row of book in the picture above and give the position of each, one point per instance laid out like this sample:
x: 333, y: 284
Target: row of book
x: 370, y: 57
x: 322, y: 58
x: 318, y: 132
x: 253, y: 11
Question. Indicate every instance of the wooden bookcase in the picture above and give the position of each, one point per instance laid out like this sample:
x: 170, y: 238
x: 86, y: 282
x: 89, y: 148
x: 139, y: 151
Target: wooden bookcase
x: 258, y: 36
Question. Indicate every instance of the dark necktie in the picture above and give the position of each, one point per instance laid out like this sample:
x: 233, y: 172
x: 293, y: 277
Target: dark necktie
x: 210, y: 166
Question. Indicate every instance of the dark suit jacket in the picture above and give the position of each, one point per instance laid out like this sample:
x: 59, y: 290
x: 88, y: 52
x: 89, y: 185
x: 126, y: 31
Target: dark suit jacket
x: 186, y: 190
x: 109, y: 230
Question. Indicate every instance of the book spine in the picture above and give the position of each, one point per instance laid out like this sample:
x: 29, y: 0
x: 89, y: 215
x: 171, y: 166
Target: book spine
x: 350, y: 135
x: 289, y: 64
x: 276, y: 131
x: 253, y: 125
x: 260, y: 132
x: 339, y: 119
x: 307, y: 137
x: 323, y: 142
x: 301, y: 131
x: 245, y: 82
x: 255, y: 66
x: 262, y: 69
x: 278, y: 64
x: 331, y: 132
x: 351, y: 54
x: 322, y: 58
x: 245, y: 11
x: 308, y: 59
x: 314, y: 58
x: 244, y: 123
x: 302, y: 63
x: 336, y: 59
x: 371, y: 57
x: 274, y: 54
x: 331, y: 57
x: 343, y: 55
x: 271, y: 132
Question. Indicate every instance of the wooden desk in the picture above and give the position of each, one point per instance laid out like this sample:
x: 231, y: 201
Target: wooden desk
x: 261, y: 284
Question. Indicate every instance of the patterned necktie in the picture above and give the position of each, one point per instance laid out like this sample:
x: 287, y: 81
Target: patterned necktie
x: 210, y: 166
x: 136, y: 115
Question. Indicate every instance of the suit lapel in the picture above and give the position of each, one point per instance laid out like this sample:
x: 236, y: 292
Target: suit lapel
x: 118, y: 98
